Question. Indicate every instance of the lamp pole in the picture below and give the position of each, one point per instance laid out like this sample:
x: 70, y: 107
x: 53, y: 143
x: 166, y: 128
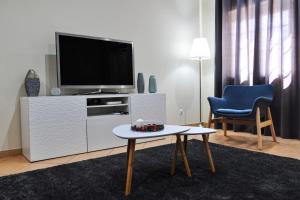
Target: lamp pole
x: 200, y: 79
x: 200, y: 51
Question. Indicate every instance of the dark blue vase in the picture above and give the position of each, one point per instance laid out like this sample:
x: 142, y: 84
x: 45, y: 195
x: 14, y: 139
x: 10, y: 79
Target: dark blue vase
x: 140, y: 83
x: 32, y: 83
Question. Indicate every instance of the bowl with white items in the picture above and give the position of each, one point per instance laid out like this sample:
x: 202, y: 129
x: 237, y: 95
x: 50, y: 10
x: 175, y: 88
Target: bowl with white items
x: 147, y: 125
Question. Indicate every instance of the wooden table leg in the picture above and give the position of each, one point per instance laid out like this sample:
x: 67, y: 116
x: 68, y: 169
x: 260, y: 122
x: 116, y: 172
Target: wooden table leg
x: 128, y: 148
x: 173, y: 167
x: 183, y: 156
x: 185, y: 142
x: 130, y: 159
x: 207, y: 149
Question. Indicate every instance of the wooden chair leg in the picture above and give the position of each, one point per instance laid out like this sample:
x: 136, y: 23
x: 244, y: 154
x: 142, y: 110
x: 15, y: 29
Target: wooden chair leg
x: 224, y: 125
x: 207, y: 150
x: 130, y: 159
x: 258, y: 128
x: 272, y: 125
x: 209, y: 119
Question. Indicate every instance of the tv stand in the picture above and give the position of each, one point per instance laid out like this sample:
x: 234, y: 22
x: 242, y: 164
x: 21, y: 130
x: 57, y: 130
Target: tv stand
x: 56, y: 126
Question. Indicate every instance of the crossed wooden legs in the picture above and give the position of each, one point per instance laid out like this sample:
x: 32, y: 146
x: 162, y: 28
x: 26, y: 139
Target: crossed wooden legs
x: 130, y: 159
x: 206, y: 149
x: 181, y: 148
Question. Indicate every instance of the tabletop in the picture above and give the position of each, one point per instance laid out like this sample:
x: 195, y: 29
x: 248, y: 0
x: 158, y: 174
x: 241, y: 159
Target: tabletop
x: 125, y: 132
x: 197, y: 130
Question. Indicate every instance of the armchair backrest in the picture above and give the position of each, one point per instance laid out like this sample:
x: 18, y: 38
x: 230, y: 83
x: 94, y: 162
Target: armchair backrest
x: 243, y: 97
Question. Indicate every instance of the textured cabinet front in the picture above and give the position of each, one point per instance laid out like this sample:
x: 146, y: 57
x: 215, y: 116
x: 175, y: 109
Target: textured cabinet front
x: 100, y: 135
x: 148, y: 107
x: 57, y: 126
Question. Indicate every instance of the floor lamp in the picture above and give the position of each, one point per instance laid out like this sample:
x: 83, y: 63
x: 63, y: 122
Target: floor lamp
x: 200, y: 51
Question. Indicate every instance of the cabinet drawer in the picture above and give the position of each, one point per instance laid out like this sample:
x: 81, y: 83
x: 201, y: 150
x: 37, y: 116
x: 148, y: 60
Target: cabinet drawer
x: 99, y: 131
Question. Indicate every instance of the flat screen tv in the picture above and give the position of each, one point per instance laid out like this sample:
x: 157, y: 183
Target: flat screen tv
x: 93, y: 62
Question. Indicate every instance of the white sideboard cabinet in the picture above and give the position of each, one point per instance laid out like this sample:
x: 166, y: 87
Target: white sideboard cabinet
x: 65, y: 125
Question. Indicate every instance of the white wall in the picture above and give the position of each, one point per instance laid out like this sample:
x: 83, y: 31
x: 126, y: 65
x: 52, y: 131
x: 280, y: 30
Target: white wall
x: 207, y: 29
x: 162, y: 31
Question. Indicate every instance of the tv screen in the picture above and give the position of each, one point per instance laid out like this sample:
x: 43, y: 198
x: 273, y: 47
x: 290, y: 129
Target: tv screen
x: 91, y: 62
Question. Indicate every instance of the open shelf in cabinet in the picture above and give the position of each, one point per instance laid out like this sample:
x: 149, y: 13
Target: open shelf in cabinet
x: 108, y: 106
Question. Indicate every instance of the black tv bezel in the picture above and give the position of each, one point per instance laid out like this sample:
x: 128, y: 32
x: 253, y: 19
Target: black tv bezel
x: 58, y: 34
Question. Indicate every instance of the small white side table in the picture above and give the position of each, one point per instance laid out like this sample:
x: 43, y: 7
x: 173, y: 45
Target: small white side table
x: 125, y: 132
x: 204, y: 132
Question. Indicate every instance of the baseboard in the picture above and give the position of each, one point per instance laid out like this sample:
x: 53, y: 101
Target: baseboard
x: 12, y: 152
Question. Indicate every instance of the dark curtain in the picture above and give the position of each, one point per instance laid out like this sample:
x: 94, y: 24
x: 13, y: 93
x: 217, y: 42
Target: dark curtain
x: 257, y: 42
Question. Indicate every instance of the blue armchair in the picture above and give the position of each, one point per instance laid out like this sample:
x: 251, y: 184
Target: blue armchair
x: 242, y: 104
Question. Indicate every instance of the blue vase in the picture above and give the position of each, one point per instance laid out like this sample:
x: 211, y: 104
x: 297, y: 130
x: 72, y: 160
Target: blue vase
x: 32, y: 83
x: 152, y: 84
x: 140, y: 83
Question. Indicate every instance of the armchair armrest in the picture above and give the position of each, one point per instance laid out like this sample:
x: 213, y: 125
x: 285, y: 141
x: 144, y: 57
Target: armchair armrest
x: 216, y: 103
x: 261, y: 101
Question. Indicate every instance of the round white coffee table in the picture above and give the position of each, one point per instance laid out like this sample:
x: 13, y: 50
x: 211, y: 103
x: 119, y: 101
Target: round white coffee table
x: 125, y: 132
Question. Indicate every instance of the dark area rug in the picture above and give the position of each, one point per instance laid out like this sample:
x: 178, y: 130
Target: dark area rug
x: 240, y: 175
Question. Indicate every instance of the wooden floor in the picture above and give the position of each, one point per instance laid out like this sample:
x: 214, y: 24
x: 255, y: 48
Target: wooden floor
x: 284, y: 147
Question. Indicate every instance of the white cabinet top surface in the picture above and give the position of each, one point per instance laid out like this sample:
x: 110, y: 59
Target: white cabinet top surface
x: 95, y: 96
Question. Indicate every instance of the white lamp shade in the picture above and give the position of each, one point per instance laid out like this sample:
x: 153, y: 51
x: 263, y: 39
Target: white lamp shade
x: 200, y: 49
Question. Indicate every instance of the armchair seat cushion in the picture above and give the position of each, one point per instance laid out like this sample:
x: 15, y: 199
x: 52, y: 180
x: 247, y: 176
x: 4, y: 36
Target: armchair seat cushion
x: 234, y: 112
